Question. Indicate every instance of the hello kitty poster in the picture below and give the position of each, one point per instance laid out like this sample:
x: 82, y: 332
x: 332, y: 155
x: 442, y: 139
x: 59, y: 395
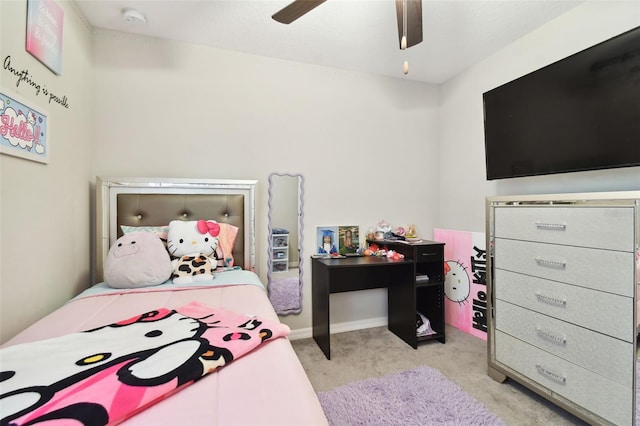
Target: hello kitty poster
x: 23, y: 130
x: 465, y: 280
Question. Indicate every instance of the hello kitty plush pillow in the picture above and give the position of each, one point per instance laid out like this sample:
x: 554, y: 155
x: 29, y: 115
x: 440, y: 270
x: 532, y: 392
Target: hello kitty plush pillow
x: 193, y: 244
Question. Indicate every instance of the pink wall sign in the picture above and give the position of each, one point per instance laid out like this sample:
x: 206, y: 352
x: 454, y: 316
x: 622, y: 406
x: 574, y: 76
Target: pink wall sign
x: 23, y: 130
x: 44, y: 33
x: 465, y: 280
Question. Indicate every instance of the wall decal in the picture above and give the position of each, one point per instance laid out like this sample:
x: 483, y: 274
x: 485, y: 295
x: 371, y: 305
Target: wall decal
x: 23, y: 130
x: 26, y: 79
x: 44, y: 33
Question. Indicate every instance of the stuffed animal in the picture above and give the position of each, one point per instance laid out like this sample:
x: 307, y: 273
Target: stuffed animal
x: 402, y: 230
x: 193, y: 244
x: 385, y: 228
x: 137, y: 259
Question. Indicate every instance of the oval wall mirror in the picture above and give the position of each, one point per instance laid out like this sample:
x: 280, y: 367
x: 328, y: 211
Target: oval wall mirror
x: 284, y: 262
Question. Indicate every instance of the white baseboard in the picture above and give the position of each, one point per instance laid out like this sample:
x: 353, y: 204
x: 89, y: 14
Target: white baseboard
x: 303, y: 333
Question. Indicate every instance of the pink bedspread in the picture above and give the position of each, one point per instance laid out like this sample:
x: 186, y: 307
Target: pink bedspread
x: 266, y: 386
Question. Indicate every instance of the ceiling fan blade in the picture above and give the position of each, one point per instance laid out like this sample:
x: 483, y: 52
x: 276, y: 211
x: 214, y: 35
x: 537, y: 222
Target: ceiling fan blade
x: 294, y: 10
x: 414, y: 22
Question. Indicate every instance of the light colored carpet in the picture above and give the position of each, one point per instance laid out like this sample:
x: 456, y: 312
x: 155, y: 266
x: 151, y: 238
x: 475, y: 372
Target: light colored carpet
x: 376, y: 352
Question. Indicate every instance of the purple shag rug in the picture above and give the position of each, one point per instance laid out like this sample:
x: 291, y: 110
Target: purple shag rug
x: 422, y: 396
x: 285, y: 295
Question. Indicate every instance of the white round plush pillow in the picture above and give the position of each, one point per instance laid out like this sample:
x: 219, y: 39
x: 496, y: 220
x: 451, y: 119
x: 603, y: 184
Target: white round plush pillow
x: 137, y: 259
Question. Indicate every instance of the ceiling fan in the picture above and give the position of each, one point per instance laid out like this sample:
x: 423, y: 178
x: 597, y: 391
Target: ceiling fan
x: 408, y: 12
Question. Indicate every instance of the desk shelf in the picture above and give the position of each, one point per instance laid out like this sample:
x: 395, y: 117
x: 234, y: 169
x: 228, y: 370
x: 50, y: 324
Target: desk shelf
x: 425, y: 284
x: 430, y: 302
x: 428, y: 259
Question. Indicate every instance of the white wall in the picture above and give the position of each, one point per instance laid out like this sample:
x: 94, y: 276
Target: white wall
x: 370, y: 148
x: 365, y: 144
x: 463, y: 185
x: 45, y: 209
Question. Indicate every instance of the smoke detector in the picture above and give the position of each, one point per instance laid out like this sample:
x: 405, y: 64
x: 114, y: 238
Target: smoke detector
x: 132, y: 16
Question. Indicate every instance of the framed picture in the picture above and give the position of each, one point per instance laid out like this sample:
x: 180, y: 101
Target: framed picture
x: 327, y: 239
x: 23, y: 130
x: 348, y: 239
x: 44, y: 33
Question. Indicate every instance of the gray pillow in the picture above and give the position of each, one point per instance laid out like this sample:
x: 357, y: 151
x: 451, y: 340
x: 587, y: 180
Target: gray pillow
x: 137, y: 259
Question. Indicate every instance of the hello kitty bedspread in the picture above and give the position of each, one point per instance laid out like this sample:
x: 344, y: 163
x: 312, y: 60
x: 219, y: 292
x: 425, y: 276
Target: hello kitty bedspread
x: 110, y: 373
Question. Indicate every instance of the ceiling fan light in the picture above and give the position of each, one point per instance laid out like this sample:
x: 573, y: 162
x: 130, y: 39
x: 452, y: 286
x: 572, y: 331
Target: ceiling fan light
x: 405, y: 68
x: 409, y: 19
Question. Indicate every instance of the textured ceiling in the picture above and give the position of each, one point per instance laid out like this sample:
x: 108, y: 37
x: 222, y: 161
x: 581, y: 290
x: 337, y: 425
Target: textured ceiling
x: 359, y: 35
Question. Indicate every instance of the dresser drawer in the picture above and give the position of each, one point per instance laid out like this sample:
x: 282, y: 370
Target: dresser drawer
x: 606, y: 398
x: 609, y: 357
x: 606, y: 313
x: 606, y: 270
x: 598, y: 227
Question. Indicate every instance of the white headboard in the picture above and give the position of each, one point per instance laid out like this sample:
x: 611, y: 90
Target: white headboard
x: 157, y: 201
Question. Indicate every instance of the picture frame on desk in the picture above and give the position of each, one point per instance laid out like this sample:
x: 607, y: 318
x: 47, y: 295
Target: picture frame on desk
x: 326, y: 240
x: 348, y: 239
x: 341, y: 239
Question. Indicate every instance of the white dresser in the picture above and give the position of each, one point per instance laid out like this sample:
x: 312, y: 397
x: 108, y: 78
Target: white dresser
x: 562, y: 286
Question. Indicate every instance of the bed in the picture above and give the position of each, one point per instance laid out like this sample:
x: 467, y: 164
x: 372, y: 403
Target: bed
x: 264, y: 384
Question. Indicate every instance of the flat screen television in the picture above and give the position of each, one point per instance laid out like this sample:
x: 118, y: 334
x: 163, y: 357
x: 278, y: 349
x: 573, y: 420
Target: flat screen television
x: 580, y: 113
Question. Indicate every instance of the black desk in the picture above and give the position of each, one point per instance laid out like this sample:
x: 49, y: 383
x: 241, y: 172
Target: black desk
x: 429, y: 261
x: 364, y: 273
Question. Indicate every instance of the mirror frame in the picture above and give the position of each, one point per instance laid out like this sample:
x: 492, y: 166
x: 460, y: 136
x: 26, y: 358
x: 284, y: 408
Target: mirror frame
x: 300, y: 235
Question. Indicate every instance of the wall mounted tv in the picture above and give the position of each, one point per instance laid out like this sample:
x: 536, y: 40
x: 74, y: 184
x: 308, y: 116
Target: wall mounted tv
x: 580, y: 113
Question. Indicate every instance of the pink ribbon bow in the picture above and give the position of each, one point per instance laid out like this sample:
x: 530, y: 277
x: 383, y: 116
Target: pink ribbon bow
x: 209, y: 226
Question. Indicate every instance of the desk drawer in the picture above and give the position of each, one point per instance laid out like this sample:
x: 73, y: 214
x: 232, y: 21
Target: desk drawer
x: 429, y: 253
x: 598, y: 227
x: 606, y: 270
x: 585, y: 388
x: 349, y: 277
x: 606, y: 313
x: 609, y: 357
x: 429, y: 261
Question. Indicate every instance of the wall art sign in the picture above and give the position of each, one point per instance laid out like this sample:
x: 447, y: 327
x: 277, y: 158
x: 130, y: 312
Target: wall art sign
x: 23, y: 130
x: 465, y: 282
x: 44, y: 33
x: 26, y: 79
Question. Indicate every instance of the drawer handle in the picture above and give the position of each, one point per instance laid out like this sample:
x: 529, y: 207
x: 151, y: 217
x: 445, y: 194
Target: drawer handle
x: 561, y: 264
x: 547, y: 335
x: 429, y: 254
x: 550, y: 374
x: 551, y: 226
x: 552, y: 300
